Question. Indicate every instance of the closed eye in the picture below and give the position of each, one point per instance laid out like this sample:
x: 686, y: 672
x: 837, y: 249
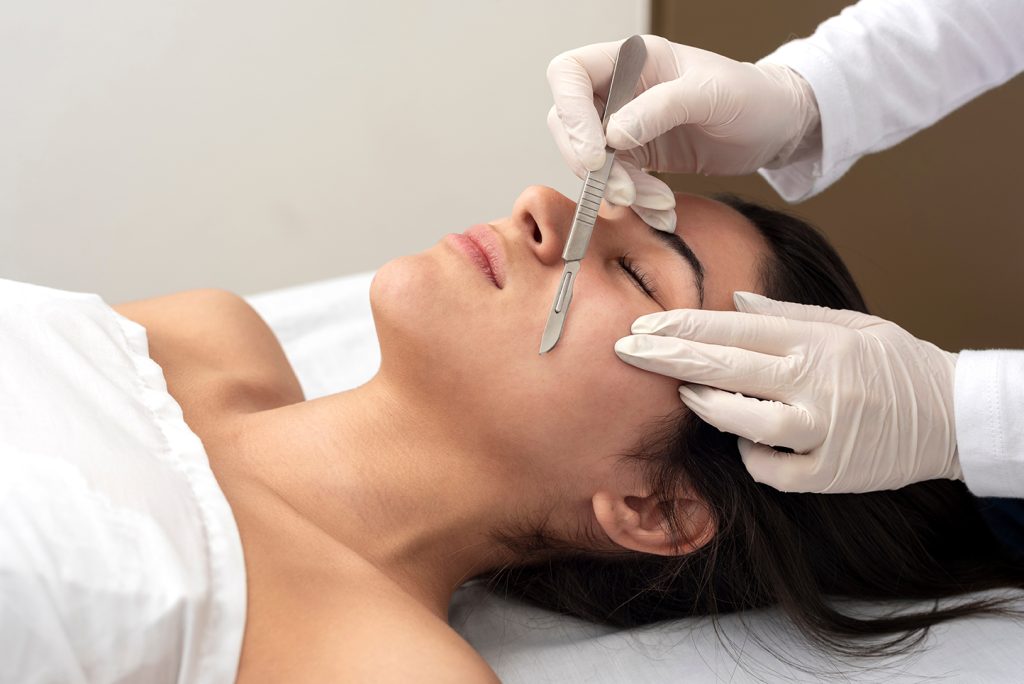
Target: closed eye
x: 639, y: 278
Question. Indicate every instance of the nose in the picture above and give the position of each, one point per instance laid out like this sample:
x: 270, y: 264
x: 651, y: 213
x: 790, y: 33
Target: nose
x: 544, y: 215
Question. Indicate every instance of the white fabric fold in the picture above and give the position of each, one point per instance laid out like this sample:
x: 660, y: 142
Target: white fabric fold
x: 989, y: 405
x: 120, y: 560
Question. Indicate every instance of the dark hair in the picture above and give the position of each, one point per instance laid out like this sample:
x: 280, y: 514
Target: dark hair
x: 800, y: 552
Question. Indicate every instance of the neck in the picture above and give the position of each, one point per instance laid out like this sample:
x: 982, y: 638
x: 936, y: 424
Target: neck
x: 393, y: 478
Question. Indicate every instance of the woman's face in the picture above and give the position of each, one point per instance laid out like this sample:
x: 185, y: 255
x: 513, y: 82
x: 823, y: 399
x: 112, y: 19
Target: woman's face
x: 452, y: 336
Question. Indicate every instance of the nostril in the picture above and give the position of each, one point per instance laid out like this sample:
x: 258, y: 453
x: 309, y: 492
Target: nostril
x: 537, y: 234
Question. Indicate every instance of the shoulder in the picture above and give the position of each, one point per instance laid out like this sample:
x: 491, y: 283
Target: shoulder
x: 412, y: 654
x: 355, y: 630
x: 211, y: 344
x: 209, y: 314
x: 398, y: 661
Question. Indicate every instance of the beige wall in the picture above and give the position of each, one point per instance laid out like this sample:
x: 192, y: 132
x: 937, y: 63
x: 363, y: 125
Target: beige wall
x: 148, y: 146
x: 932, y: 229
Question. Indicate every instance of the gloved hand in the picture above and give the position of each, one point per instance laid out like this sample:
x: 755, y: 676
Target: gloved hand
x: 697, y: 112
x: 863, y: 404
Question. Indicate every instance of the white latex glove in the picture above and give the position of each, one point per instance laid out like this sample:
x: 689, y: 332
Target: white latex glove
x: 696, y: 112
x: 864, y: 405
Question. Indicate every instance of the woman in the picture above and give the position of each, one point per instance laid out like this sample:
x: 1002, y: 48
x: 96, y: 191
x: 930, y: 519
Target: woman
x: 468, y: 453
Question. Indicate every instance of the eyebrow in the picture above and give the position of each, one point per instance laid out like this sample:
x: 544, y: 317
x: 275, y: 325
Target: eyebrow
x: 680, y: 247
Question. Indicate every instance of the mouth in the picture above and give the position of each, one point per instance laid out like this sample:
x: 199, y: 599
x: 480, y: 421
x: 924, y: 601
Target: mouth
x: 483, y: 247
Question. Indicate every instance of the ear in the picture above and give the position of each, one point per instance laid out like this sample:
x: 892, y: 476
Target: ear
x: 638, y: 523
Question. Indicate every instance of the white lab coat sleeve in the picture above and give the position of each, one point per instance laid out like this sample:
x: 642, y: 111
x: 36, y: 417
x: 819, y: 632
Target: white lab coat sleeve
x: 988, y: 400
x: 882, y: 70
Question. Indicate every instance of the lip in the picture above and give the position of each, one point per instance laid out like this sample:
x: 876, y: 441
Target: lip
x: 483, y: 246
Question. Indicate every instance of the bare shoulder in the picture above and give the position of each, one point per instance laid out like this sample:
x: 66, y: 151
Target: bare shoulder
x: 223, y: 321
x: 365, y: 636
x: 415, y: 654
x: 322, y: 613
x: 212, y: 343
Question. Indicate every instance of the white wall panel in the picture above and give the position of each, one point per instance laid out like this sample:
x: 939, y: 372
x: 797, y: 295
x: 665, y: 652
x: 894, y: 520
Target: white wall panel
x: 150, y: 146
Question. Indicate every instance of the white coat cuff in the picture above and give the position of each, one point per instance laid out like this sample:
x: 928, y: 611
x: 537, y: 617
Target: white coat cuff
x: 989, y: 406
x: 817, y: 169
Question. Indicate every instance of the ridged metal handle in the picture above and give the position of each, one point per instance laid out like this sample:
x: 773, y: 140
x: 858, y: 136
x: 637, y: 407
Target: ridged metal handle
x: 586, y: 211
x: 625, y: 74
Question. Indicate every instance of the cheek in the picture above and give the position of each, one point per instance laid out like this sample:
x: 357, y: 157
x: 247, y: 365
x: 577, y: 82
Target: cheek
x: 435, y: 313
x: 472, y: 349
x: 476, y: 352
x: 607, y: 403
x: 424, y: 330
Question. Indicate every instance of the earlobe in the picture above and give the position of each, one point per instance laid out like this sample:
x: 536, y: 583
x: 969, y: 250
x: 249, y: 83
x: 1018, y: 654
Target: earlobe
x: 638, y: 523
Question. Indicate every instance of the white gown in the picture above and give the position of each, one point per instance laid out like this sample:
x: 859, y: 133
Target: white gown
x: 881, y: 71
x: 120, y: 560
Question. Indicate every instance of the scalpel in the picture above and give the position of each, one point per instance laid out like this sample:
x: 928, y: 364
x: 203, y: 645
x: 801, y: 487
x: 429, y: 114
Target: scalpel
x: 625, y: 74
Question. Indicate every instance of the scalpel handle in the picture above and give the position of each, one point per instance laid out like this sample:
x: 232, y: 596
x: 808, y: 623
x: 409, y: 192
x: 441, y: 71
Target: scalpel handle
x: 586, y: 210
x: 629, y: 62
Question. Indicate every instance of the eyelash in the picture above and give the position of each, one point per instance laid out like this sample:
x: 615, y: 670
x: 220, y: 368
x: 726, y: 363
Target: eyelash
x: 639, y: 277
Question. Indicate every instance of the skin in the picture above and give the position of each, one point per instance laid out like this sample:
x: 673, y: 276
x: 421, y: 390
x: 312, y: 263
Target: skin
x: 521, y: 434
x: 372, y: 506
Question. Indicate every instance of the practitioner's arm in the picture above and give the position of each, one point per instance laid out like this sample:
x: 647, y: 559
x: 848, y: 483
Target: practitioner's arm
x: 884, y: 69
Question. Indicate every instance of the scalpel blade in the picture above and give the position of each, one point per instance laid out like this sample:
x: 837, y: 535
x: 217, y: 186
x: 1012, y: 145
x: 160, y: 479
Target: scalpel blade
x: 556, y: 316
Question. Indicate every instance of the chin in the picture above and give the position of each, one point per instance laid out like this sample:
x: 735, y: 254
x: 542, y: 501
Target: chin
x: 403, y: 293
x: 415, y: 311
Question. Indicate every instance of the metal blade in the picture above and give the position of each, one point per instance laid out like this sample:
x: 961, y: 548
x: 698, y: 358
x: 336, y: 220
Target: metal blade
x: 556, y: 316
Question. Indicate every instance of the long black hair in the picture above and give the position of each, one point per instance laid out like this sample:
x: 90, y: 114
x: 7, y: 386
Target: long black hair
x: 800, y: 552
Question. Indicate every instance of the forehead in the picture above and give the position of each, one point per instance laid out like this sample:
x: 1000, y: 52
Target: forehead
x: 728, y: 245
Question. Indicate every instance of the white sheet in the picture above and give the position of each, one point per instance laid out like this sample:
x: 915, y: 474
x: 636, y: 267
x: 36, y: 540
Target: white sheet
x: 328, y: 336
x: 120, y: 560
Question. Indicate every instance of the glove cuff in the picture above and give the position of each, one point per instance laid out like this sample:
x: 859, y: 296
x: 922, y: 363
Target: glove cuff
x: 805, y: 137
